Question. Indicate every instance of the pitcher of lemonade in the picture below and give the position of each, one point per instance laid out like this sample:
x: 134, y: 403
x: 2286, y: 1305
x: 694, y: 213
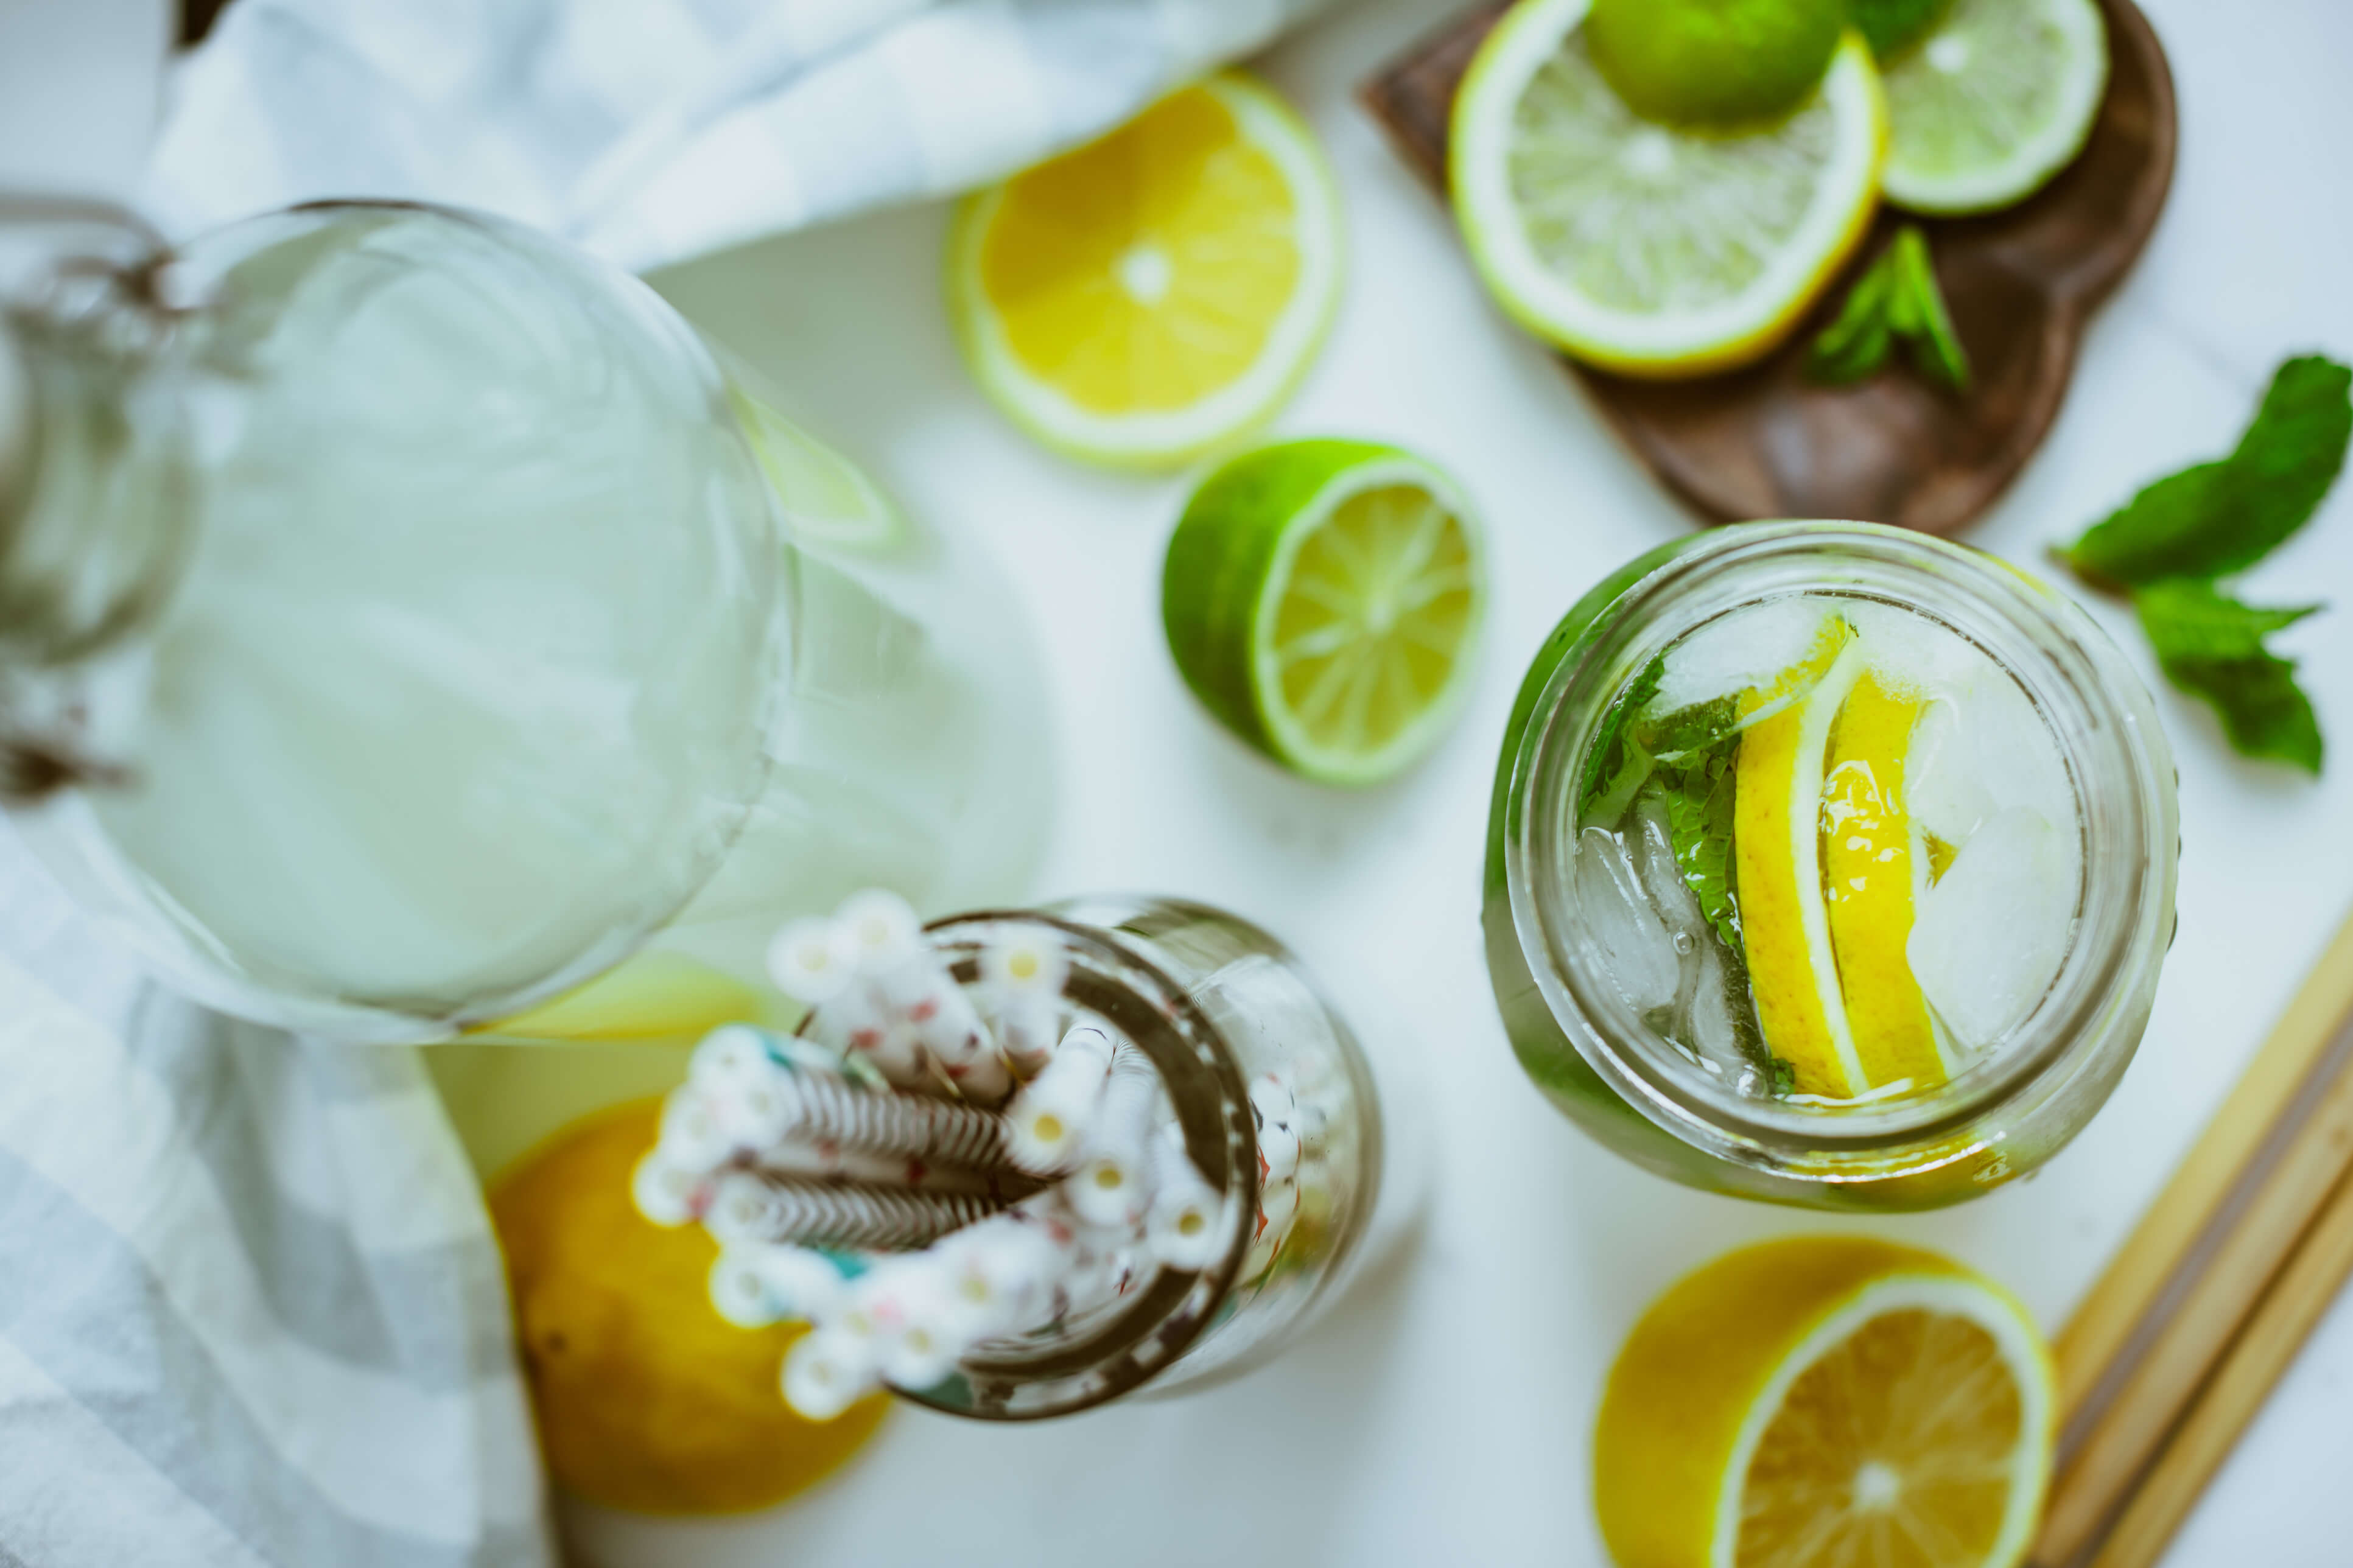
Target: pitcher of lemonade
x: 409, y: 629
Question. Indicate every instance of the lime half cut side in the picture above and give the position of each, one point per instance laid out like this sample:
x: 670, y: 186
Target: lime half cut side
x: 1323, y: 599
x: 1999, y: 97
x: 1642, y: 247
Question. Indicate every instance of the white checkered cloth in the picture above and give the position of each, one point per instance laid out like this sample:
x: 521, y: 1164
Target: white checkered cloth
x: 653, y: 129
x: 251, y: 1311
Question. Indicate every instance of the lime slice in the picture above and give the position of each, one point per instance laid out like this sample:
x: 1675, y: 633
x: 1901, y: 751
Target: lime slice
x: 1993, y: 101
x: 1640, y: 248
x: 1822, y: 1400
x: 1323, y: 599
x: 1157, y: 292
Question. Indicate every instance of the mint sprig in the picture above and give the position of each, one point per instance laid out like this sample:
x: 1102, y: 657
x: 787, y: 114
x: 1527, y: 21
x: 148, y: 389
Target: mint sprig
x: 1895, y: 300
x: 2225, y: 516
x: 2169, y: 545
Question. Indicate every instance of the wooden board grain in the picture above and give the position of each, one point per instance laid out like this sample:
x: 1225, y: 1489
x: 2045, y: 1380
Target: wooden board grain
x: 1766, y: 441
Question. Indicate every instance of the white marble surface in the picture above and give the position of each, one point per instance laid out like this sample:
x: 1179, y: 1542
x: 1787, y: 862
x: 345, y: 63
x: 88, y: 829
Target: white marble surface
x: 1442, y: 1415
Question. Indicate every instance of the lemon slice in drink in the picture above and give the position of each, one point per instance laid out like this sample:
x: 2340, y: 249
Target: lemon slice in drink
x: 1323, y: 600
x: 1777, y: 817
x: 1869, y: 844
x: 1159, y: 291
x: 1642, y: 247
x: 1823, y: 1400
x: 1996, y: 98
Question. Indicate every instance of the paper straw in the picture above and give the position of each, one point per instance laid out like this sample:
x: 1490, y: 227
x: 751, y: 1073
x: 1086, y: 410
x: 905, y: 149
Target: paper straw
x: 1049, y: 1119
x: 693, y: 1135
x: 750, y: 1205
x: 1024, y: 974
x: 826, y: 1373
x: 917, y: 987
x: 924, y: 1335
x: 1183, y: 1227
x: 668, y: 1195
x: 830, y: 1162
x: 1113, y: 1185
x: 811, y: 1106
x: 1001, y: 1274
x: 755, y: 1284
x: 813, y: 960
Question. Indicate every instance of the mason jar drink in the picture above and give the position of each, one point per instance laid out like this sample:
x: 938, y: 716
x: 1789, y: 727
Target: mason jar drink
x: 1830, y: 863
x: 413, y: 629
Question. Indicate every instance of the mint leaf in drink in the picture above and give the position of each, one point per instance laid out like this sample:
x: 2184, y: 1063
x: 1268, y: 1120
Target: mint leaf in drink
x: 1617, y: 763
x: 2211, y: 646
x: 2225, y: 516
x: 1700, y: 796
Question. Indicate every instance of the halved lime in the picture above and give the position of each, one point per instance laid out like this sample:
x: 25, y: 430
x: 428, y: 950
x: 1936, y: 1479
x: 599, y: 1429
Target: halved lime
x: 1642, y: 247
x: 1323, y: 600
x: 1996, y: 98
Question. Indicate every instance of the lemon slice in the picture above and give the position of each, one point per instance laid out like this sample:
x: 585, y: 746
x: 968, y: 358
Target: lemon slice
x: 1776, y: 818
x: 1995, y: 100
x: 1826, y: 1400
x: 1323, y: 599
x: 1640, y: 248
x: 1868, y: 881
x: 1159, y: 291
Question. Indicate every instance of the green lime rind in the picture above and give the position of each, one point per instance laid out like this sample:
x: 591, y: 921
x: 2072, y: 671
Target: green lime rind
x: 1718, y: 63
x: 1226, y: 568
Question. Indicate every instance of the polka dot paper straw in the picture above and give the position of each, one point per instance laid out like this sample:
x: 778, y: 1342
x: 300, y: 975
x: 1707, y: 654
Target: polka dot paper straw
x: 1113, y: 1182
x: 1049, y: 1119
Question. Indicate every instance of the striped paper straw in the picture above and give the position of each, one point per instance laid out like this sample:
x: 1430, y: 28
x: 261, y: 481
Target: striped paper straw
x: 750, y: 1205
x: 811, y: 1106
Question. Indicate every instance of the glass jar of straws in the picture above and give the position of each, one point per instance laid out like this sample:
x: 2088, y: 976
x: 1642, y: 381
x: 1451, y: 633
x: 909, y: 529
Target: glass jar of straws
x: 1019, y: 1163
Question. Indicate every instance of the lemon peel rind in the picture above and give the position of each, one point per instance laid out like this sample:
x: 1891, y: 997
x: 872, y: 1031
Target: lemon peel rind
x: 1289, y: 744
x: 2004, y: 184
x: 1956, y: 1293
x: 1724, y: 336
x: 1162, y: 439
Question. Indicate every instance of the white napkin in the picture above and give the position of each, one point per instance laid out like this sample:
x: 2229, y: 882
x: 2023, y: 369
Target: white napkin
x: 653, y: 129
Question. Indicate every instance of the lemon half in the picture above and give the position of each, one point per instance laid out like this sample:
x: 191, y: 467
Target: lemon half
x: 1159, y: 291
x: 1826, y: 1400
x: 1642, y: 247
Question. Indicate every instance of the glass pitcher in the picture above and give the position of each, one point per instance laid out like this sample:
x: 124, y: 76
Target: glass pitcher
x: 408, y: 629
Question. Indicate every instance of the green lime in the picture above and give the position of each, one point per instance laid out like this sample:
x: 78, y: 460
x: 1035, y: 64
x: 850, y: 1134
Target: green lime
x: 1892, y: 27
x: 1714, y: 62
x: 1996, y: 98
x: 1323, y: 599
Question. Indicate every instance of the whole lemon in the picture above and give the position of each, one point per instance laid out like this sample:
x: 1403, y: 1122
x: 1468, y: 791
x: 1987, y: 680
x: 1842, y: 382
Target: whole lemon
x: 1714, y: 62
x: 646, y: 1398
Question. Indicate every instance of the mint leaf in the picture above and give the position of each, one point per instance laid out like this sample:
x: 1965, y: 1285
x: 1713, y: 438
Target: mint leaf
x: 1936, y: 350
x: 1617, y: 763
x: 1856, y: 343
x: 2225, y: 516
x: 1700, y: 796
x: 1895, y: 300
x: 2211, y: 646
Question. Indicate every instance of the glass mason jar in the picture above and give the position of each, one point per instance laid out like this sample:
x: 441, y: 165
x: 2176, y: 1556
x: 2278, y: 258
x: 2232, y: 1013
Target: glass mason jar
x: 1309, y: 1130
x: 2005, y: 1110
x: 412, y: 628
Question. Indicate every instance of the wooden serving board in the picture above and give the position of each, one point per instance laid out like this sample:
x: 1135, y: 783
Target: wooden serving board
x: 1766, y: 441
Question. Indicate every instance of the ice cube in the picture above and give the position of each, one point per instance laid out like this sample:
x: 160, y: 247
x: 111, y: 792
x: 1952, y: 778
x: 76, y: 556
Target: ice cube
x: 1990, y: 934
x: 1663, y: 881
x: 1710, y: 1029
x: 1747, y: 647
x: 1983, y: 750
x: 1634, y: 945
